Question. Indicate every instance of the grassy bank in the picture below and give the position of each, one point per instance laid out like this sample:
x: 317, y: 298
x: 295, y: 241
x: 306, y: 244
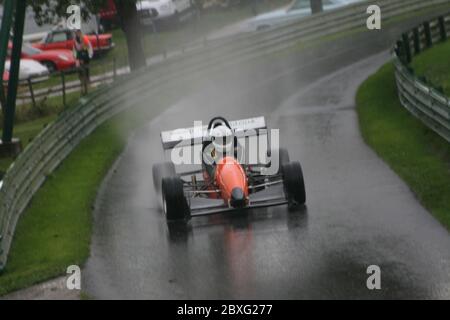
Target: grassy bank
x: 418, y: 155
x: 434, y: 64
x: 58, y: 221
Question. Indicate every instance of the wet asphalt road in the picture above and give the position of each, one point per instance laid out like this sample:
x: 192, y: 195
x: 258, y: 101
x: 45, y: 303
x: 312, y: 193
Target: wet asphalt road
x: 358, y: 213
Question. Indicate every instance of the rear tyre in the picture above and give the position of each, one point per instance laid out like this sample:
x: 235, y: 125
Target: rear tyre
x: 283, y: 158
x: 283, y: 155
x: 160, y: 171
x: 175, y: 205
x: 294, y: 185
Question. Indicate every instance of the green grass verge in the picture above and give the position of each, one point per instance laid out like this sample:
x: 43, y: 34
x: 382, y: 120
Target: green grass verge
x: 417, y: 154
x: 58, y: 222
x: 434, y: 64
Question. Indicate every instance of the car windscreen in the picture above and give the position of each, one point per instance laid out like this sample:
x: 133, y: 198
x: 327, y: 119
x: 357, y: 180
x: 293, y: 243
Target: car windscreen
x: 29, y: 50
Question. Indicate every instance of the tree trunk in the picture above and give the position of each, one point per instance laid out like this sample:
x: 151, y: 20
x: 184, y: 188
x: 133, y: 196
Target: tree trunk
x: 131, y: 26
x: 316, y: 6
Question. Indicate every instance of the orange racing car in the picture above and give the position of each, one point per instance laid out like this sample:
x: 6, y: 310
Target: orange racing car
x: 226, y: 179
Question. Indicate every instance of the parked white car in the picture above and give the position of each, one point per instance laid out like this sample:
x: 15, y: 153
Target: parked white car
x: 294, y: 11
x: 28, y: 68
x: 157, y: 10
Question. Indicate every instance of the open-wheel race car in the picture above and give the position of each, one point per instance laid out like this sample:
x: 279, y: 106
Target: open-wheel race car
x: 225, y: 170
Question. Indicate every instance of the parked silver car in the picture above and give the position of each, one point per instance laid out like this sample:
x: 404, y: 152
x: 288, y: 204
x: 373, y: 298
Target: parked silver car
x: 294, y: 11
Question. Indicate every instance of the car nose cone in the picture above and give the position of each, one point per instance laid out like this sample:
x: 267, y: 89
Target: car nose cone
x: 237, y: 198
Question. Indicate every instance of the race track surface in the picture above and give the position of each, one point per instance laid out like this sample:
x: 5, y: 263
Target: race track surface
x: 358, y: 213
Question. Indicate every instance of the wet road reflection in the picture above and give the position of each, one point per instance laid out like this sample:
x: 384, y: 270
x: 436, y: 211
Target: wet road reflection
x: 235, y: 244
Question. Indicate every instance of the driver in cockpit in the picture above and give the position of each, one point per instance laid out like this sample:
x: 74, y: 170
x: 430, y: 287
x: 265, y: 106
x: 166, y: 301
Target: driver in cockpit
x: 219, y: 144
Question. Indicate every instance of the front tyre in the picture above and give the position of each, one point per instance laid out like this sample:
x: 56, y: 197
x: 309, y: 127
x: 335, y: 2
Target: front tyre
x: 175, y: 205
x: 161, y: 171
x: 283, y: 159
x: 294, y: 185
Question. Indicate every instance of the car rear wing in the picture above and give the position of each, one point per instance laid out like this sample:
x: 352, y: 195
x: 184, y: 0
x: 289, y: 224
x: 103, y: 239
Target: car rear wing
x: 197, y: 134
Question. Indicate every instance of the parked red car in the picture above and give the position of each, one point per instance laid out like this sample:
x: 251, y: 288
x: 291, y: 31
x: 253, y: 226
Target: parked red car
x: 61, y: 59
x: 63, y: 39
x: 108, y: 15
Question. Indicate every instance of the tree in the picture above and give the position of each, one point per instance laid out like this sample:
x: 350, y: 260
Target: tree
x: 51, y: 11
x: 316, y: 6
x: 130, y: 24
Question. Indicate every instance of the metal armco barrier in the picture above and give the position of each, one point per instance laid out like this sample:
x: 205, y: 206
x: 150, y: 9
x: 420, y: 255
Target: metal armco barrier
x: 424, y: 101
x: 41, y: 157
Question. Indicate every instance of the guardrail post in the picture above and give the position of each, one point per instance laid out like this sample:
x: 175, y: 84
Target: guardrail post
x: 398, y: 48
x: 442, y: 29
x: 416, y: 34
x: 428, y: 37
x: 30, y: 87
x: 406, y: 48
x: 63, y: 84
